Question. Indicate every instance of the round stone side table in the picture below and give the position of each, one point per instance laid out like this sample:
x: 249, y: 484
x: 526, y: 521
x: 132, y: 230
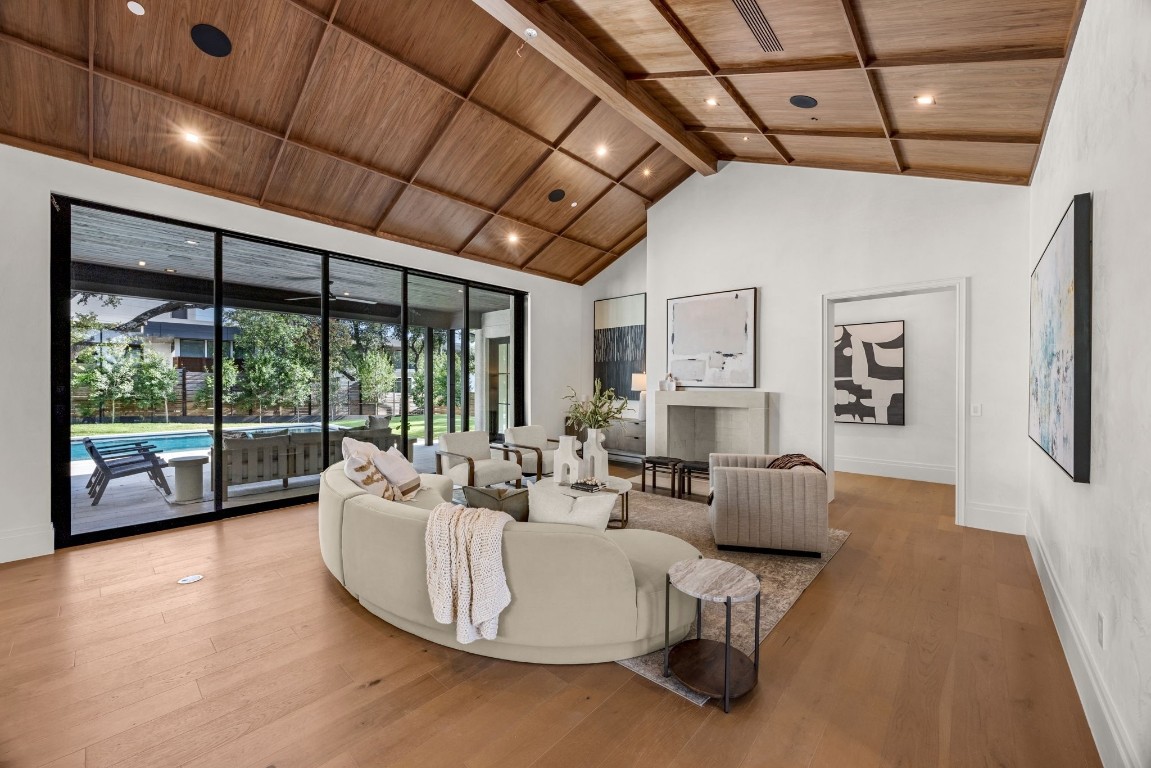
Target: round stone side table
x: 708, y: 666
x: 189, y: 472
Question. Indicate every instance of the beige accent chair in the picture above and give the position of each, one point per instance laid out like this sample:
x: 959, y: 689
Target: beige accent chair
x: 753, y: 508
x: 471, y: 460
x: 537, y: 448
x: 579, y: 596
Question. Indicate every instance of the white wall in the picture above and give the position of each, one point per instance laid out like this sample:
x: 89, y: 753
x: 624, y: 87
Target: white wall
x: 1093, y: 542
x: 627, y: 275
x: 27, y: 178
x: 924, y: 447
x: 798, y: 233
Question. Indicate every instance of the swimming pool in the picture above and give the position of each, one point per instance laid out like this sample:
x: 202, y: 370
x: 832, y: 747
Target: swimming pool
x: 169, y: 442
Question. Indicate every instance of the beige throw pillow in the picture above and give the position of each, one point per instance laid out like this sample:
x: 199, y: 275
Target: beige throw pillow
x: 546, y: 505
x: 398, y: 470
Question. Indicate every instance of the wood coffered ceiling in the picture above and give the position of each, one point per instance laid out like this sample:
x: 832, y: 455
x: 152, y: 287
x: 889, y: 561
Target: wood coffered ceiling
x: 434, y: 122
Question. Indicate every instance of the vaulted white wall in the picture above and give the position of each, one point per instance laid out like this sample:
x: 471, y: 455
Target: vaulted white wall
x: 798, y: 233
x: 27, y: 179
x: 1093, y: 542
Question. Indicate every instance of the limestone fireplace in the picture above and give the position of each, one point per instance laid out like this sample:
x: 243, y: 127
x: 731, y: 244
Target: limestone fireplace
x: 693, y: 423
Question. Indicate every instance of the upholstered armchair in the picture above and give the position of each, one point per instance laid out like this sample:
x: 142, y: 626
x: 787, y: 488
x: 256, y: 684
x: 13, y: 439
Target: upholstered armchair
x: 754, y: 508
x: 538, y: 450
x: 469, y: 459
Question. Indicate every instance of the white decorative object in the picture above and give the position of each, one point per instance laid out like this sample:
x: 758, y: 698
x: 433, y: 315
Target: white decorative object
x: 566, y: 467
x: 594, y: 455
x: 711, y: 339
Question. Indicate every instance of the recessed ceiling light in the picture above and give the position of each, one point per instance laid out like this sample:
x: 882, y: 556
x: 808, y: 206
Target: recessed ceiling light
x: 513, y: 238
x: 711, y: 102
x: 647, y: 171
x: 925, y: 100
x: 459, y: 290
x: 136, y: 8
x: 191, y: 242
x: 803, y: 102
x: 530, y: 33
x: 169, y: 269
x: 347, y: 294
x: 191, y: 138
x: 142, y: 263
x: 211, y: 40
x: 745, y: 138
x: 601, y: 150
x: 574, y: 205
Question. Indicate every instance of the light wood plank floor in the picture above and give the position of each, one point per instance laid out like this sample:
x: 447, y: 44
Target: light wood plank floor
x: 921, y: 644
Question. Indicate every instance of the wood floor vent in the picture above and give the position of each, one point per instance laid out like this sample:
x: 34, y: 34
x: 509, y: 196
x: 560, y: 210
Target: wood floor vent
x: 757, y: 22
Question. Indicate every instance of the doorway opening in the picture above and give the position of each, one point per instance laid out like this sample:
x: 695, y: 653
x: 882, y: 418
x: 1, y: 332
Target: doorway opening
x: 955, y: 286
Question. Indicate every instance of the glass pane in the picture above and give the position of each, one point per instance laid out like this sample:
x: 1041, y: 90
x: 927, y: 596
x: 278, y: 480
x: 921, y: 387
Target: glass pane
x: 491, y: 328
x: 273, y: 419
x: 435, y: 318
x: 136, y: 404
x: 365, y: 347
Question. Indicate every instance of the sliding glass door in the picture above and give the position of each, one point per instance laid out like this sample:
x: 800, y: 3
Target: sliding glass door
x: 199, y: 373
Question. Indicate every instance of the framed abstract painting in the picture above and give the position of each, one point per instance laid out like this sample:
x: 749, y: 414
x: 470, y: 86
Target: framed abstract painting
x: 711, y: 339
x: 619, y: 339
x: 1059, y: 412
x: 869, y: 373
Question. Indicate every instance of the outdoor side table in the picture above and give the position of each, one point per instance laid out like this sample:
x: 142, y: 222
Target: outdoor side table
x: 708, y: 666
x: 189, y: 472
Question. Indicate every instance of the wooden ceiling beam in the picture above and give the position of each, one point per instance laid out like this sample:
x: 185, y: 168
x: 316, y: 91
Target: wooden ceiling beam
x: 300, y: 98
x: 977, y: 138
x: 1077, y: 16
x: 971, y: 56
x: 861, y: 54
x: 565, y: 47
x: 91, y: 79
x: 641, y: 76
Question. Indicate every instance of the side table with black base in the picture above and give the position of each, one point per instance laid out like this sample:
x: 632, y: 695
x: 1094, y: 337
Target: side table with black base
x: 708, y: 666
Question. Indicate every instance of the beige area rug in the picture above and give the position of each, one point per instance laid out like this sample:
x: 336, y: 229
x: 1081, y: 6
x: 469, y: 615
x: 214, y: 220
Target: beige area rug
x: 783, y: 578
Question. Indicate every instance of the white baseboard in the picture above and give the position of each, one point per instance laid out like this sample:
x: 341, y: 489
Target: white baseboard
x: 993, y: 517
x: 1116, y: 749
x: 21, y: 543
x: 903, y: 470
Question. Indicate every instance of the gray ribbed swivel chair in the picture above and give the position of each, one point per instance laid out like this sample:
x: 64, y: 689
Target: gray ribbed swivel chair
x: 754, y: 508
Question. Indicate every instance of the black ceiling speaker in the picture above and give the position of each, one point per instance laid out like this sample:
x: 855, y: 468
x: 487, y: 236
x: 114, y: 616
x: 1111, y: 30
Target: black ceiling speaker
x: 211, y: 40
x: 803, y: 102
x: 556, y: 195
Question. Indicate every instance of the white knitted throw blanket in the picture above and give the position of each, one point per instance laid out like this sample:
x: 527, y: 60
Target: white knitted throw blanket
x: 466, y: 581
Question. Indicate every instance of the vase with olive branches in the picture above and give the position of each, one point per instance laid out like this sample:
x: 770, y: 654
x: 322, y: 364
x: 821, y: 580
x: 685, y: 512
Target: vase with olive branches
x: 595, y: 413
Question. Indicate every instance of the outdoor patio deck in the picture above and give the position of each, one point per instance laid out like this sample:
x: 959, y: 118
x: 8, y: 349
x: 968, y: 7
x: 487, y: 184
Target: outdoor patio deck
x: 133, y: 500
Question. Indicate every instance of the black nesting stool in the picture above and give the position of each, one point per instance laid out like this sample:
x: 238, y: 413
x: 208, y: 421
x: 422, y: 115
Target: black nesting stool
x: 686, y: 471
x: 659, y: 465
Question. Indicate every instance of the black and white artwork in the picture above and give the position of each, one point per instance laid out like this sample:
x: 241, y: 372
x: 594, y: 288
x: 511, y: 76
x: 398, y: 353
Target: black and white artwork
x: 620, y: 339
x: 711, y: 339
x: 869, y: 373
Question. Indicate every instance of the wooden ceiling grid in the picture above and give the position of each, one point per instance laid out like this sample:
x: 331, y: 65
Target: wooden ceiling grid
x: 437, y: 123
x: 993, y: 68
x: 346, y: 132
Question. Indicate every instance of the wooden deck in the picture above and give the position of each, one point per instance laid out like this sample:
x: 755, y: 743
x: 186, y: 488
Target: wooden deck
x: 134, y: 499
x: 921, y: 644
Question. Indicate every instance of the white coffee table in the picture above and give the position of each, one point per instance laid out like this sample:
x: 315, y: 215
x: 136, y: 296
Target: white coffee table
x: 614, y: 485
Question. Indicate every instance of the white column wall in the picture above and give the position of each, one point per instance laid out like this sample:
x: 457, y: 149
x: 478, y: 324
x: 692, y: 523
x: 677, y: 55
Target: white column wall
x: 27, y: 179
x: 1092, y: 543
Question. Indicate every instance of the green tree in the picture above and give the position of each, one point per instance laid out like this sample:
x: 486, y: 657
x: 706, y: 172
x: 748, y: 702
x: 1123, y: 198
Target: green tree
x: 280, y: 357
x: 376, y: 373
x: 231, y: 376
x: 108, y: 374
x: 153, y: 380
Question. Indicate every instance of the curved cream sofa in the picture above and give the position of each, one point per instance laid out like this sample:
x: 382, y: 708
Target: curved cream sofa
x: 578, y: 595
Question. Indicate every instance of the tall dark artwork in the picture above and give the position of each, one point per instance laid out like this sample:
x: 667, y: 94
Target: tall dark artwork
x: 869, y: 386
x: 620, y: 339
x: 1059, y: 415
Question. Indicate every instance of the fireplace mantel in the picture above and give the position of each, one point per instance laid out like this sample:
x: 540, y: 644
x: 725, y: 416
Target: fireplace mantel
x: 690, y: 424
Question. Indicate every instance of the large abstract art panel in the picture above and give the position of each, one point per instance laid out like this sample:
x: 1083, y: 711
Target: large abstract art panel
x: 869, y: 373
x: 620, y: 342
x: 1059, y: 413
x: 711, y: 339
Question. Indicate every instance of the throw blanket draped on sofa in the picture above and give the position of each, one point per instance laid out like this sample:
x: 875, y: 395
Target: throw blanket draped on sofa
x: 466, y: 582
